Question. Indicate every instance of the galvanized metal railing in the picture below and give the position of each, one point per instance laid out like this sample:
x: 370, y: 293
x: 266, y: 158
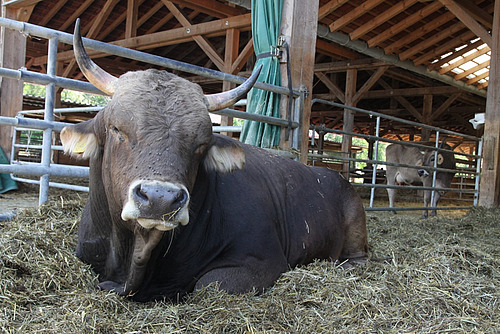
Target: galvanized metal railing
x: 46, y: 169
x: 376, y: 162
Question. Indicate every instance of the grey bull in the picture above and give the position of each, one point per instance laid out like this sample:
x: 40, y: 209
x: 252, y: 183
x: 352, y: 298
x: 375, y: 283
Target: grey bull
x: 173, y: 207
x: 415, y: 156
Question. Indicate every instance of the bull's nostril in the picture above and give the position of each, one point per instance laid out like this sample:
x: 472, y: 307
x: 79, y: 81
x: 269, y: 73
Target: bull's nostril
x: 140, y: 194
x: 181, y: 198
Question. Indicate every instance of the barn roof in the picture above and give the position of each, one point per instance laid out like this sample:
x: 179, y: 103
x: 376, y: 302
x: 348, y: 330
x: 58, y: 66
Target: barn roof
x: 449, y: 38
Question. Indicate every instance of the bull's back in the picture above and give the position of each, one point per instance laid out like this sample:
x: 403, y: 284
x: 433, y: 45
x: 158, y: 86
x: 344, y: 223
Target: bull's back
x: 314, y: 205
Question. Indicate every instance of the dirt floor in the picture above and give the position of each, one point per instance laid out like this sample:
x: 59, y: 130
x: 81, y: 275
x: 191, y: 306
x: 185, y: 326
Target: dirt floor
x: 14, y: 201
x: 440, y: 275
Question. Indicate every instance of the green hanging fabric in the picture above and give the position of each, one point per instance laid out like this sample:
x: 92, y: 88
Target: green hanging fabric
x: 266, y: 21
x: 6, y: 182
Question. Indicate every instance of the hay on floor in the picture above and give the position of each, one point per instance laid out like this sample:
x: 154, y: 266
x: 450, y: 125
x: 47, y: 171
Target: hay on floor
x: 438, y: 275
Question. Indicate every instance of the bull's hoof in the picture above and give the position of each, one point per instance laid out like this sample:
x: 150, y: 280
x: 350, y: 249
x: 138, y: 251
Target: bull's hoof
x: 112, y: 287
x: 394, y: 212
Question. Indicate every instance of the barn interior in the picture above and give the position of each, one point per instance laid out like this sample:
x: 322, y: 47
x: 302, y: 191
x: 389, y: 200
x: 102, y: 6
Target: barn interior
x: 426, y: 61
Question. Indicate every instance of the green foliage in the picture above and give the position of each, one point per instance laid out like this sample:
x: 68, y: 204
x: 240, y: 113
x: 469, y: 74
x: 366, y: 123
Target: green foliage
x: 68, y: 95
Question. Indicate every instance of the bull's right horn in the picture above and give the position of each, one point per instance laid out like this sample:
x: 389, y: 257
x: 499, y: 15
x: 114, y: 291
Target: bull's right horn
x: 225, y: 99
x: 96, y: 75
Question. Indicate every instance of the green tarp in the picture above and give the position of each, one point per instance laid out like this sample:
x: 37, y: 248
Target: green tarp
x: 266, y: 21
x: 6, y: 182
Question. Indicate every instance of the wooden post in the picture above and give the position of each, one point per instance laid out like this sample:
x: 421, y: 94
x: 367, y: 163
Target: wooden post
x: 12, y: 55
x: 350, y: 91
x: 489, y: 195
x: 230, y: 55
x: 427, y: 117
x: 299, y: 22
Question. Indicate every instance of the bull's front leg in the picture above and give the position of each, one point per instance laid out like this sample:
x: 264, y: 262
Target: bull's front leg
x: 144, y: 243
x: 427, y: 199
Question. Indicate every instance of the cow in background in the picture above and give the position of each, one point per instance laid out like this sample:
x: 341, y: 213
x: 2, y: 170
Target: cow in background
x: 415, y: 156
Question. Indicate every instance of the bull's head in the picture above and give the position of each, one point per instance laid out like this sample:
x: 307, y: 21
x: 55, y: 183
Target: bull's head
x: 150, y: 140
x: 429, y: 157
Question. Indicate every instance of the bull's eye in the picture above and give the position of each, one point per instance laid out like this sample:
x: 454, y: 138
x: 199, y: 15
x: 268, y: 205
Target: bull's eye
x: 115, y: 131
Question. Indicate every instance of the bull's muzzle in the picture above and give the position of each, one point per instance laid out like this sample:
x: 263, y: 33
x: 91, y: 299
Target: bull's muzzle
x: 422, y: 173
x: 157, y: 204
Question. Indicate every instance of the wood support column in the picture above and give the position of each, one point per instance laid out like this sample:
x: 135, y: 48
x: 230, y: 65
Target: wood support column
x: 489, y: 195
x: 12, y: 55
x: 299, y: 22
x: 231, y: 53
x: 427, y: 117
x: 350, y: 92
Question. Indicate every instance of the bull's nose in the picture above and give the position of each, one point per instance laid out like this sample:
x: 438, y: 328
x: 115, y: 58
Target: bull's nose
x: 154, y: 197
x: 422, y: 172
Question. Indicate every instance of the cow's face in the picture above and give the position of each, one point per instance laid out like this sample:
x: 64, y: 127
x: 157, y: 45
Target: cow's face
x: 152, y: 138
x: 150, y: 141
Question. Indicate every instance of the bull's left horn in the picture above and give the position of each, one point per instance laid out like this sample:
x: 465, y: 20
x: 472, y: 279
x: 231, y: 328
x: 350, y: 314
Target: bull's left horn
x: 96, y: 75
x: 225, y: 99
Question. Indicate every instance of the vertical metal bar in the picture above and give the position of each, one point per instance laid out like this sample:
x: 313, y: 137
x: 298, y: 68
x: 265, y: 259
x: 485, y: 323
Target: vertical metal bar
x: 297, y: 115
x: 478, y: 171
x: 434, y: 172
x: 50, y: 90
x: 13, y: 149
x: 374, y: 167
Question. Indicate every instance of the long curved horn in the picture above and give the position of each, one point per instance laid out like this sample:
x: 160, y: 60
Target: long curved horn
x: 225, y: 99
x: 96, y: 75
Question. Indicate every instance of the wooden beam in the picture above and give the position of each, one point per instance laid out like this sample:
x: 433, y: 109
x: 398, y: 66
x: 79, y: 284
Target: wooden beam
x: 100, y: 20
x: 13, y: 54
x: 369, y: 83
x: 53, y: 11
x: 468, y: 20
x: 328, y: 8
x: 339, y: 94
x: 442, y: 48
x: 230, y: 55
x: 394, y: 10
x: 489, y: 195
x: 210, y: 7
x: 342, y: 66
x: 243, y: 57
x: 202, y: 42
x: 430, y: 41
x: 420, y: 32
x: 391, y: 92
x: 479, y: 14
x: 404, y: 102
x: 76, y: 14
x: 472, y: 70
x: 131, y: 23
x: 443, y: 107
x: 354, y: 14
x: 299, y: 25
x: 335, y: 50
x: 16, y: 4
x: 348, y: 126
x: 455, y: 54
x: 404, y: 24
x: 169, y: 37
x: 469, y: 57
x: 478, y: 77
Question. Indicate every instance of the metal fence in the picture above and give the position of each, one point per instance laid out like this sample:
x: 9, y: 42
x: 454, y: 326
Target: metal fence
x: 468, y: 177
x: 45, y: 169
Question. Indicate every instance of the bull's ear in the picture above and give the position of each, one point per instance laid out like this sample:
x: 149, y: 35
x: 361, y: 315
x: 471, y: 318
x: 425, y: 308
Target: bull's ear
x: 79, y: 141
x: 224, y: 155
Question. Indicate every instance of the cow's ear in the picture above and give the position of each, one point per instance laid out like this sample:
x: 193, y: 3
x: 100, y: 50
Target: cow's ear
x: 224, y: 155
x: 440, y: 159
x: 79, y: 140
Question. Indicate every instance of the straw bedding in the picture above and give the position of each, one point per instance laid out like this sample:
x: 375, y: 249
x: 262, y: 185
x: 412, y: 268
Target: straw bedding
x: 440, y: 275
